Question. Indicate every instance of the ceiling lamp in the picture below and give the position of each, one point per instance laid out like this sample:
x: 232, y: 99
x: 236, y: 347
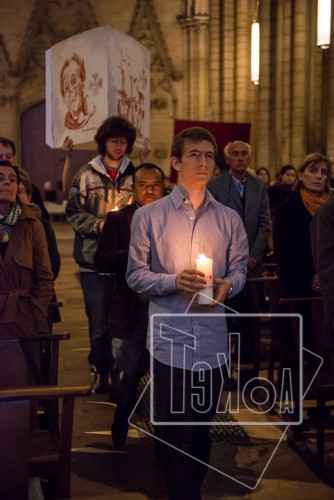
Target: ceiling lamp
x: 324, y: 24
x: 255, y: 47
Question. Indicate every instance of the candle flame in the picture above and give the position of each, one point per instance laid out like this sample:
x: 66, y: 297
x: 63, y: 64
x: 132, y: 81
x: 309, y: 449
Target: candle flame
x: 201, y: 256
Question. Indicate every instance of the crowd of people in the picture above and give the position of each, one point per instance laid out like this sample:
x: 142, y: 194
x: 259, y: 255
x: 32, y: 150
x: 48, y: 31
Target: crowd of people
x: 137, y: 245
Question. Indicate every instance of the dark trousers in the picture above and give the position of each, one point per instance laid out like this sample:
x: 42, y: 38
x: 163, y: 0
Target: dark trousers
x: 180, y: 445
x: 97, y: 290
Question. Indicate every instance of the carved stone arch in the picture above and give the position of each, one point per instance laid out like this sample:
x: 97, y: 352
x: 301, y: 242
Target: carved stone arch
x: 50, y: 22
x: 7, y: 96
x: 145, y: 28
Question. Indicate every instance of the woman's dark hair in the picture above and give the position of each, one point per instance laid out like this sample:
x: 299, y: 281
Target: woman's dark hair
x: 286, y: 169
x: 7, y: 163
x: 112, y: 127
x: 25, y: 180
x: 264, y: 169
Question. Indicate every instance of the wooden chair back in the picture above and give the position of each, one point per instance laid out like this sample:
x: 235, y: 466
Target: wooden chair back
x: 25, y: 453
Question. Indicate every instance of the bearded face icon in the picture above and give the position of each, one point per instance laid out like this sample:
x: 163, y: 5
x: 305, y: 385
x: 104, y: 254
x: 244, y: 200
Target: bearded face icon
x: 80, y: 107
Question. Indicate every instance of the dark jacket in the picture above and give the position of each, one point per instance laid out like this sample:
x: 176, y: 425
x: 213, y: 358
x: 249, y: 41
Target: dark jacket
x: 255, y: 213
x: 322, y: 238
x: 278, y: 194
x: 127, y: 309
x: 292, y: 247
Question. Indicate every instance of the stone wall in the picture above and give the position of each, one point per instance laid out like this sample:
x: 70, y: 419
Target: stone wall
x: 200, y: 67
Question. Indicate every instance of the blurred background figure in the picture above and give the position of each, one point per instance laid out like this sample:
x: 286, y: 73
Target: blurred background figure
x: 264, y: 174
x: 25, y: 195
x: 282, y: 189
x: 292, y: 241
x: 50, y: 194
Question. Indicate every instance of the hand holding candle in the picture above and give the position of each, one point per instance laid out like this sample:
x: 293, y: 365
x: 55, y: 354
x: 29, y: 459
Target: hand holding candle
x: 204, y: 264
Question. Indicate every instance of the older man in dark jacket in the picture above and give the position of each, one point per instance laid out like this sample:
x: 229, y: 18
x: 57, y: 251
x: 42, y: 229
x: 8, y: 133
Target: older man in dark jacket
x: 128, y: 311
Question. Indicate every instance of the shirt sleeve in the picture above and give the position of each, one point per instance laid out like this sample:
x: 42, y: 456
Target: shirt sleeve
x: 139, y: 275
x: 259, y: 246
x: 81, y: 220
x: 236, y: 265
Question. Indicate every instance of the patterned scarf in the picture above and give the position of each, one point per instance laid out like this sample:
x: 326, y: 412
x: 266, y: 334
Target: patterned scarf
x: 8, y: 221
x: 313, y: 201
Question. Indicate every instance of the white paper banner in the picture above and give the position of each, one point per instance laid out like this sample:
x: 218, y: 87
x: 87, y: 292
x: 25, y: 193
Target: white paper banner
x: 91, y: 76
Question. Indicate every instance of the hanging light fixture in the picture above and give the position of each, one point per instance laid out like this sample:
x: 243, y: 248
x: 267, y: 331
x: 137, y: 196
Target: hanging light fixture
x: 324, y: 24
x: 255, y: 47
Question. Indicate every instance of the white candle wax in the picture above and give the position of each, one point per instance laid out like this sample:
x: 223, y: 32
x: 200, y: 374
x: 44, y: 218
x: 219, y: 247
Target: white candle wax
x: 204, y: 264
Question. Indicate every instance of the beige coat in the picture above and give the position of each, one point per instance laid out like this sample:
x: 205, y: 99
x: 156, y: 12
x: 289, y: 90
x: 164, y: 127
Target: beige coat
x: 26, y: 279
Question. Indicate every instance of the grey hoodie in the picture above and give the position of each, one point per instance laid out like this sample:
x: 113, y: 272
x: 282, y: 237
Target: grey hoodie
x: 92, y: 195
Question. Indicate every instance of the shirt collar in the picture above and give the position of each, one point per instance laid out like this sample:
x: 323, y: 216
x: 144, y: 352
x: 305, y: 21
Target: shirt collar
x: 237, y: 181
x: 178, y: 197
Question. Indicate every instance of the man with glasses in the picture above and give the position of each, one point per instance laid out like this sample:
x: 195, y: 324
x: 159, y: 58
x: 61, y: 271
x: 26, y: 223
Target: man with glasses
x: 104, y: 184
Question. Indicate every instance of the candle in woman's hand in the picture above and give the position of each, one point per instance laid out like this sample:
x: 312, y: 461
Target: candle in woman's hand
x: 204, y: 264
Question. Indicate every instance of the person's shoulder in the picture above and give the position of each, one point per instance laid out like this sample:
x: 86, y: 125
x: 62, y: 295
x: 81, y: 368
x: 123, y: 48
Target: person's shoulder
x: 93, y: 165
x: 220, y: 180
x: 327, y: 208
x: 27, y: 212
x: 153, y: 209
x: 255, y: 181
x: 292, y: 203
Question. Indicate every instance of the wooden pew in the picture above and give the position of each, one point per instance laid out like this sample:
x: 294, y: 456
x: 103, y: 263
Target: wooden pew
x: 321, y: 391
x: 32, y: 361
x: 25, y: 453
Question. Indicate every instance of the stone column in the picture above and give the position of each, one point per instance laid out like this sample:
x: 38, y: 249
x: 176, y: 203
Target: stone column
x: 194, y: 22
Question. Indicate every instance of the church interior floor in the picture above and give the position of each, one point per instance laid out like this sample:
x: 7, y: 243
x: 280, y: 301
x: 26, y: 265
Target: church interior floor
x: 261, y: 467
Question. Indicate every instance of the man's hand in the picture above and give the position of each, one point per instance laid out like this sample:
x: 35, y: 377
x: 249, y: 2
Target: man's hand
x: 251, y: 263
x: 67, y: 146
x: 221, y: 291
x: 191, y: 280
x: 315, y: 284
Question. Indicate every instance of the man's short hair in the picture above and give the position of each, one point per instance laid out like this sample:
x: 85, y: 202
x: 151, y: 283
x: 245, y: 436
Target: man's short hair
x: 227, y: 147
x: 7, y: 142
x: 193, y: 134
x: 81, y: 65
x: 148, y: 166
x: 112, y: 127
x: 7, y: 163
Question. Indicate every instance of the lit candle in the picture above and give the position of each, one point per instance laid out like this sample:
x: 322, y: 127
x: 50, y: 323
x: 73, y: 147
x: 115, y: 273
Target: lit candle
x: 204, y: 264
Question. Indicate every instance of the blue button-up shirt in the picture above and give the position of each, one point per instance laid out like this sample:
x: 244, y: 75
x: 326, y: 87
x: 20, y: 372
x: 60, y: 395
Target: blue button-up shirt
x: 166, y: 238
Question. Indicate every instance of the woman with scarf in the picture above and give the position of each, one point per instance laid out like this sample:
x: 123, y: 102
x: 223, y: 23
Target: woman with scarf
x: 26, y: 279
x: 292, y: 240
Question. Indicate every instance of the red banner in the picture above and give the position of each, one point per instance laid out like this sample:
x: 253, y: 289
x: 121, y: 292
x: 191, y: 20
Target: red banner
x: 223, y: 133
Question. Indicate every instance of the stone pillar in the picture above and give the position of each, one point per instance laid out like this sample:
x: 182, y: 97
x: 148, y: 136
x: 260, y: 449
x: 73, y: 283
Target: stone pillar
x: 194, y: 22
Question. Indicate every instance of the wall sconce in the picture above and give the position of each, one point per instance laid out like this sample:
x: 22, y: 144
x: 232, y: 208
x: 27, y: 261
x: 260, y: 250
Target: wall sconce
x: 324, y: 24
x: 255, y: 63
x: 255, y: 46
